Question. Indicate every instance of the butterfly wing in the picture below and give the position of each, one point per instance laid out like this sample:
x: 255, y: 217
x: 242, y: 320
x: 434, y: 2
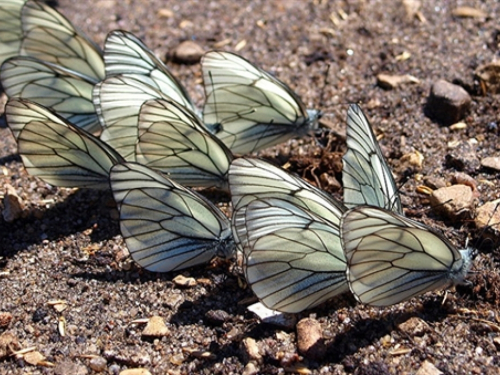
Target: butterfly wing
x: 391, y: 258
x: 125, y: 54
x: 49, y: 36
x: 167, y: 227
x: 293, y: 258
x: 251, y: 179
x: 66, y: 92
x: 56, y: 151
x: 174, y: 141
x: 366, y: 177
x: 254, y: 109
x: 11, y: 32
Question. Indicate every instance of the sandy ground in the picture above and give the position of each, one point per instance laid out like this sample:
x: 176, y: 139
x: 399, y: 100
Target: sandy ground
x: 68, y: 247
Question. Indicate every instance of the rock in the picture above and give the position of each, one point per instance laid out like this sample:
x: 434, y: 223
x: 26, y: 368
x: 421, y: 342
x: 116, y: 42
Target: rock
x: 272, y: 317
x: 447, y: 103
x: 491, y: 162
x: 435, y: 182
x: 454, y: 202
x: 488, y: 215
x: 184, y: 281
x: 251, y: 350
x: 165, y: 13
x: 488, y: 76
x: 188, y: 52
x: 33, y: 358
x: 8, y: 344
x: 412, y: 161
x: 428, y: 368
x: 217, y: 317
x: 98, y: 364
x: 135, y: 371
x: 13, y: 205
x: 310, y: 342
x: 414, y: 327
x: 156, y: 327
x: 468, y: 12
x: 463, y: 157
x: 250, y: 369
x: 5, y: 319
x: 389, y: 82
x: 460, y: 178
x: 67, y: 367
x: 173, y: 299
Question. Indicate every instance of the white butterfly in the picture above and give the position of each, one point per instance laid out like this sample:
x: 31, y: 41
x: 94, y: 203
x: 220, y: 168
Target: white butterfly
x: 391, y: 258
x: 174, y: 141
x: 288, y: 231
x: 66, y: 92
x: 49, y: 36
x: 11, y: 31
x: 56, y: 151
x: 253, y: 109
x: 166, y: 226
x: 366, y: 177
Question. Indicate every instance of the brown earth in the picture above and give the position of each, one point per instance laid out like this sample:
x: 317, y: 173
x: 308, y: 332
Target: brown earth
x: 68, y: 246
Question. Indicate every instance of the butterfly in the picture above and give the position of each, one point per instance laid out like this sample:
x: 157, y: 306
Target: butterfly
x: 11, y: 31
x: 391, y: 258
x: 56, y: 151
x: 174, y: 141
x: 288, y: 231
x: 366, y: 177
x: 65, y: 91
x: 253, y: 109
x: 166, y: 226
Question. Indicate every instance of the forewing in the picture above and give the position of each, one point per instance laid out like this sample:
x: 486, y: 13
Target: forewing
x: 11, y: 31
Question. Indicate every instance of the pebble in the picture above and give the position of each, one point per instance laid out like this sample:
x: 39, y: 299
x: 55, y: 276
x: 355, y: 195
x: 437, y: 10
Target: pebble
x: 8, y: 343
x: 173, y: 299
x: 66, y: 367
x: 454, y: 202
x: 156, y: 327
x: 389, y: 82
x: 428, y: 368
x: 184, y: 281
x: 188, y: 52
x: 489, y: 77
x: 411, y: 161
x: 470, y: 12
x: 217, y: 317
x: 13, y: 205
x: 492, y: 162
x: 460, y: 178
x: 5, y: 319
x: 414, y: 327
x: 447, y: 102
x: 251, y: 350
x: 273, y: 317
x: 310, y: 342
x: 463, y: 157
x: 250, y: 369
x: 33, y: 358
x: 135, y: 371
x: 488, y: 214
x: 98, y: 364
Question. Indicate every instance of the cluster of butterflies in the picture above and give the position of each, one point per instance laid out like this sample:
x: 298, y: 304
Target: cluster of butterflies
x: 119, y: 119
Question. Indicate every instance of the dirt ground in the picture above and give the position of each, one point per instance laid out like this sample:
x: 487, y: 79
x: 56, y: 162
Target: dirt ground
x: 68, y: 246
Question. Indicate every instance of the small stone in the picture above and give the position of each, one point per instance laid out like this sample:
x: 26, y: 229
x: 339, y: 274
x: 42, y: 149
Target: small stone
x: 389, y: 82
x: 492, y: 162
x: 463, y: 157
x: 173, y: 299
x: 250, y: 369
x: 98, y: 364
x: 310, y: 342
x: 412, y: 7
x: 66, y: 367
x: 468, y: 12
x: 269, y: 316
x: 188, y: 52
x: 488, y: 76
x: 428, y: 368
x: 5, y: 319
x: 447, y: 103
x: 488, y: 215
x: 184, y: 281
x: 251, y: 350
x: 165, y: 13
x: 414, y: 327
x: 135, y: 371
x: 412, y: 161
x: 156, y: 327
x: 217, y: 317
x: 33, y: 358
x: 435, y: 182
x: 455, y: 202
x: 8, y: 343
x: 461, y: 178
x: 13, y: 205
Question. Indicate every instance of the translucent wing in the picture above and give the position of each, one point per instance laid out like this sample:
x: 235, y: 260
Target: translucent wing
x: 49, y: 36
x: 125, y: 54
x: 56, y: 151
x: 167, y: 227
x: 253, y: 109
x: 64, y: 91
x: 293, y: 258
x: 117, y: 101
x: 366, y: 177
x: 391, y: 258
x: 11, y: 32
x: 251, y: 179
x: 175, y: 142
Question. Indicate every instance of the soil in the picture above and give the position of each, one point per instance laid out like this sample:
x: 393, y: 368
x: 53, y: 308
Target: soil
x: 68, y: 247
